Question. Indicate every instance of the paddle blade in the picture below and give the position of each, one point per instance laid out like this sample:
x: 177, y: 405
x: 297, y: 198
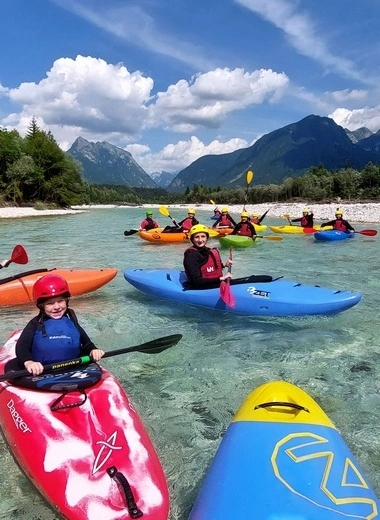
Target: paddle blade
x: 367, y: 232
x: 159, y: 345
x: 310, y: 230
x: 130, y: 232
x: 275, y: 238
x: 226, y: 294
x: 151, y: 347
x: 249, y: 176
x: 19, y: 255
x: 164, y: 211
x: 213, y: 202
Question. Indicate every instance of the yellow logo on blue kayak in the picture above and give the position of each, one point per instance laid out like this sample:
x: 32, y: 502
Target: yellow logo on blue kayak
x: 310, y: 466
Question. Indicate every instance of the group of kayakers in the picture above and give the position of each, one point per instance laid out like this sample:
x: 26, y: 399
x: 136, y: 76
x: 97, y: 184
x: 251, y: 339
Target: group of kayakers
x: 55, y: 335
x: 184, y: 225
x: 224, y: 220
x: 339, y: 223
x: 203, y: 265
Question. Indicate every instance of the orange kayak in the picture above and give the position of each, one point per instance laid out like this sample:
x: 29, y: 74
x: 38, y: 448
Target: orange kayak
x: 18, y: 289
x: 164, y: 238
x: 157, y: 236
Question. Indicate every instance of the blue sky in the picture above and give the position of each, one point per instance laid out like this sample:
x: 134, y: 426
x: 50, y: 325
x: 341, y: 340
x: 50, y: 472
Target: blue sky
x: 172, y: 80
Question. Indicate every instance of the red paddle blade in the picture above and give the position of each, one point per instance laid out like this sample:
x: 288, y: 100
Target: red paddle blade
x: 309, y: 230
x: 19, y: 255
x: 226, y: 294
x: 368, y: 232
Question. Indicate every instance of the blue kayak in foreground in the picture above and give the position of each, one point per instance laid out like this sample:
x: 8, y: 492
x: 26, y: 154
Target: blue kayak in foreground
x: 332, y: 235
x: 253, y: 297
x: 282, y: 458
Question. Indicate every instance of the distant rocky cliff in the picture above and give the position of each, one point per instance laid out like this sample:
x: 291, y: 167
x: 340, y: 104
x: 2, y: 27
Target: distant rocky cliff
x: 104, y: 163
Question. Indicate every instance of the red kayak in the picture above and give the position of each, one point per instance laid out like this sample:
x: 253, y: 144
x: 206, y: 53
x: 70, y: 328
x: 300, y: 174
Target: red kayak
x: 90, y: 456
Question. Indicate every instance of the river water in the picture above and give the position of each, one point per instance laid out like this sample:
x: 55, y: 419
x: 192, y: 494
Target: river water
x: 187, y: 395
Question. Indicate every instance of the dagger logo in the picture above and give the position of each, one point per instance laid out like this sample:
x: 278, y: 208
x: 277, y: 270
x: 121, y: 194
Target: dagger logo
x: 107, y: 447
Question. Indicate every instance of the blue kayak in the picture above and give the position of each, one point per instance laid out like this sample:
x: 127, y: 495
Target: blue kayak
x: 332, y: 235
x: 253, y: 296
x: 282, y: 458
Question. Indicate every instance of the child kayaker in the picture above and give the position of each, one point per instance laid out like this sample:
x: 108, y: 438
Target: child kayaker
x: 225, y: 220
x: 307, y: 219
x: 244, y: 227
x: 53, y: 335
x: 148, y: 223
x: 184, y: 225
x: 339, y: 223
x: 203, y: 265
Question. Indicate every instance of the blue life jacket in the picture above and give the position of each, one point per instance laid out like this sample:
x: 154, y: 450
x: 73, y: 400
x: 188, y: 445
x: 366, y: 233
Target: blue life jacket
x: 56, y: 340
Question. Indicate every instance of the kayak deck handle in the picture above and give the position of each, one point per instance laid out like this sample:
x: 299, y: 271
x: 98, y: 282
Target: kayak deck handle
x: 133, y: 510
x: 282, y: 403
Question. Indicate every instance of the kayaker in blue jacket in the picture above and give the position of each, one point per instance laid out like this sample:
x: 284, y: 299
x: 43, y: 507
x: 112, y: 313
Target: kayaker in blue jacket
x: 53, y: 335
x: 339, y: 223
x: 203, y: 265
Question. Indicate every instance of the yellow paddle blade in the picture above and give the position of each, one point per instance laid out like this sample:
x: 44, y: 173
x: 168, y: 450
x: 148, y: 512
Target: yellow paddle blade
x: 249, y: 176
x: 213, y: 202
x: 286, y: 216
x: 164, y: 211
x: 274, y: 237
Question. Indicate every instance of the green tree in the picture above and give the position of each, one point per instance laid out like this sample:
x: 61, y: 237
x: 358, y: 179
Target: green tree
x: 22, y: 176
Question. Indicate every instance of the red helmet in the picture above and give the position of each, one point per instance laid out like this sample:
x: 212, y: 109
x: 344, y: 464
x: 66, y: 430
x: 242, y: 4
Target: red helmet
x: 49, y: 286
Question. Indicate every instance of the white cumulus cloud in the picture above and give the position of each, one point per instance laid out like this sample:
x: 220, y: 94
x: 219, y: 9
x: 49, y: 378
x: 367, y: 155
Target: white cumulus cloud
x: 175, y: 157
x: 89, y: 94
x: 210, y: 97
x: 358, y: 118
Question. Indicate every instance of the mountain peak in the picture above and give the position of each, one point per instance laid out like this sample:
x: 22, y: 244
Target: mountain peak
x: 104, y: 163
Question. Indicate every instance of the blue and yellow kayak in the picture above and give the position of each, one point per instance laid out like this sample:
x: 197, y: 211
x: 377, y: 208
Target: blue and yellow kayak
x: 283, y: 459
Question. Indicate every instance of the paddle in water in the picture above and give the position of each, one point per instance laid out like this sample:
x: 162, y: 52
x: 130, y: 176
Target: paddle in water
x: 275, y: 238
x: 225, y: 288
x: 18, y: 256
x: 151, y: 347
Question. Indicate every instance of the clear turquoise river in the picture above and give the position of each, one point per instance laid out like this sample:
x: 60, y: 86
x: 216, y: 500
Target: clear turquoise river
x: 187, y: 395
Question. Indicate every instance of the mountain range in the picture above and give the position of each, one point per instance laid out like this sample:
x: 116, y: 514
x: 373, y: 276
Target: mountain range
x: 287, y: 152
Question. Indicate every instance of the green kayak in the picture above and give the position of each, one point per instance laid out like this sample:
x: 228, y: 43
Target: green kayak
x: 238, y: 241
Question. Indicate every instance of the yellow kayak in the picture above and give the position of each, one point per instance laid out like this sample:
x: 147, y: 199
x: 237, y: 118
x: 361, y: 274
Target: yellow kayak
x: 296, y: 230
